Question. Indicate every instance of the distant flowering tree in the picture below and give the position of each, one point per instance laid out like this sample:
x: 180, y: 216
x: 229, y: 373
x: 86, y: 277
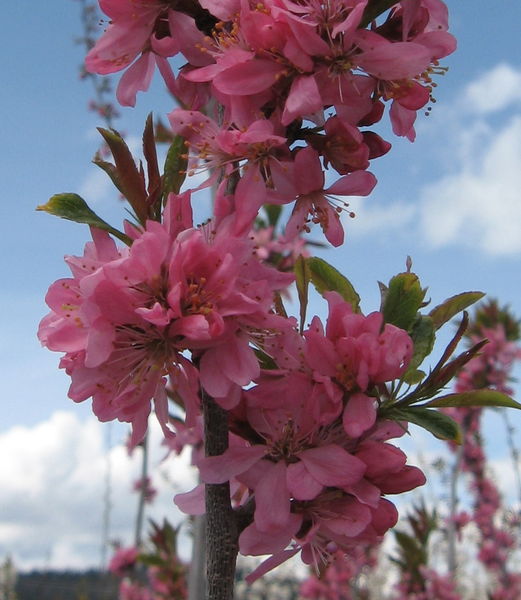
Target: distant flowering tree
x: 296, y: 416
x: 492, y: 368
x: 153, y: 572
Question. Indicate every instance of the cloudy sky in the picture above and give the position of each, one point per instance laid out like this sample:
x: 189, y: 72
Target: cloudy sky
x: 451, y: 200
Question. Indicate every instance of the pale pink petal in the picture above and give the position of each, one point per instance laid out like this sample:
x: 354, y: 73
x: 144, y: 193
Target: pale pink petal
x: 272, y: 502
x: 300, y: 485
x: 136, y: 78
x: 270, y: 564
x: 359, y: 414
x: 234, y: 461
x: 192, y: 502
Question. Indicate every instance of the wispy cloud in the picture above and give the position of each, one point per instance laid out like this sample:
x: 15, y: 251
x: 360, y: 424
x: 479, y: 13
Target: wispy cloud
x: 479, y: 205
x: 495, y: 90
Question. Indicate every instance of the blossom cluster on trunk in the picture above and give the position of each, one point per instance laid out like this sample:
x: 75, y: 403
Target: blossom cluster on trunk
x: 271, y: 97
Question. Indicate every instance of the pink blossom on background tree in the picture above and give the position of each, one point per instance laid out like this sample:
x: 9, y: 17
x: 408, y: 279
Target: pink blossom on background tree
x: 492, y: 368
x: 296, y: 418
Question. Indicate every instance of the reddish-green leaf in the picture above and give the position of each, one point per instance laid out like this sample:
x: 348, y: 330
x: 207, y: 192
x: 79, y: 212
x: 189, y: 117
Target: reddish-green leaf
x: 131, y: 180
x: 374, y: 9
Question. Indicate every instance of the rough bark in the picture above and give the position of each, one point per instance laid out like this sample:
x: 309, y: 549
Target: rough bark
x: 222, y: 531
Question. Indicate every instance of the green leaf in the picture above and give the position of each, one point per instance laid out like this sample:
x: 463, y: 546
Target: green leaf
x: 374, y: 9
x: 110, y: 170
x: 154, y: 177
x: 74, y: 208
x: 413, y: 376
x: 484, y: 397
x: 452, y: 306
x: 265, y: 360
x: 273, y: 212
x: 302, y: 276
x: 326, y: 278
x: 403, y: 298
x: 151, y: 560
x: 131, y: 179
x: 175, y: 166
x: 437, y: 423
x: 409, y: 546
x: 423, y: 337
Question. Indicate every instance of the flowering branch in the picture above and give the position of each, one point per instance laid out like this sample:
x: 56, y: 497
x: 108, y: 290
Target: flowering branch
x: 296, y: 420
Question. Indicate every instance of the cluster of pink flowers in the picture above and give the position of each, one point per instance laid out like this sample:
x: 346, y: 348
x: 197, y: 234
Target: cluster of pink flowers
x: 273, y: 94
x: 145, y: 487
x: 285, y: 74
x: 338, y: 581
x: 435, y: 587
x: 152, y: 573
x: 127, y: 316
x: 319, y: 463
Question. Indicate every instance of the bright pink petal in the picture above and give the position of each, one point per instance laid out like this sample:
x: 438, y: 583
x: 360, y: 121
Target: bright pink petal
x: 251, y: 77
x: 332, y: 465
x: 358, y: 183
x: 303, y: 99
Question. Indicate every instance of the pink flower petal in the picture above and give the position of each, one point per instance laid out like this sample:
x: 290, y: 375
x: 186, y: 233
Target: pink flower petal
x: 332, y: 465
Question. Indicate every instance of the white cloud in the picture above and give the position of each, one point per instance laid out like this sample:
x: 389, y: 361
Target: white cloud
x: 53, y: 488
x: 478, y: 203
x: 495, y: 90
x: 479, y: 206
x: 373, y: 217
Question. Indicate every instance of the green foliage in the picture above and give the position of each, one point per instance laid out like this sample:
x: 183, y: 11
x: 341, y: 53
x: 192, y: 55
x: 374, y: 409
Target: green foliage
x: 412, y: 548
x: 483, y: 397
x: 273, y: 212
x: 74, y: 208
x: 326, y: 278
x: 402, y: 299
x: 444, y: 312
x: 302, y: 279
x: 423, y: 336
x: 437, y: 423
x: 175, y: 166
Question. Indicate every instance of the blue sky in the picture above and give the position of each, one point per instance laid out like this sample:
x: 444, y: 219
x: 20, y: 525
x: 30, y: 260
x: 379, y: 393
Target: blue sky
x: 451, y: 200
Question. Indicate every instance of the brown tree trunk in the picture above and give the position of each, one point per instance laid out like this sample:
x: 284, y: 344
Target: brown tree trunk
x: 222, y: 533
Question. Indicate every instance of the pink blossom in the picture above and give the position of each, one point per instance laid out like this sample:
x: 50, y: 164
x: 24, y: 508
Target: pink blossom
x: 316, y: 204
x: 123, y: 560
x: 135, y: 312
x: 137, y: 28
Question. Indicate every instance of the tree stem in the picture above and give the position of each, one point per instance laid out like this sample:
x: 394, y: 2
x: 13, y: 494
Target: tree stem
x: 222, y: 533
